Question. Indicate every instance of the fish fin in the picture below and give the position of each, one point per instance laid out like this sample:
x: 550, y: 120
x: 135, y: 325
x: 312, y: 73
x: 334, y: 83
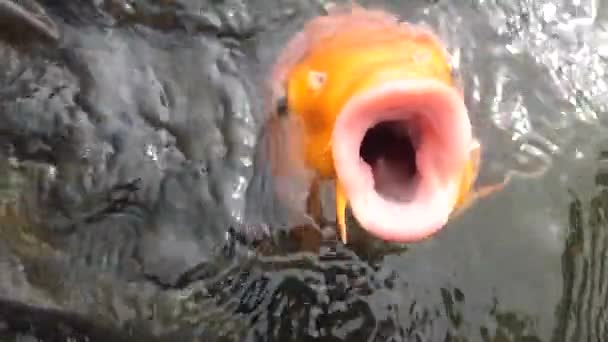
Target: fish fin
x: 284, y: 145
x: 475, y: 158
x: 468, y: 176
x: 466, y: 201
x: 341, y: 204
x: 313, y: 205
x: 470, y: 199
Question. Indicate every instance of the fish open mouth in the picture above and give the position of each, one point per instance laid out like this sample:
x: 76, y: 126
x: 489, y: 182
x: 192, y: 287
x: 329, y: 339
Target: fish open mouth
x: 389, y: 149
x: 398, y: 151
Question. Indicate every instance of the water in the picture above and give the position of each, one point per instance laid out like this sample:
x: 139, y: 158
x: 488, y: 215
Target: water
x: 129, y: 181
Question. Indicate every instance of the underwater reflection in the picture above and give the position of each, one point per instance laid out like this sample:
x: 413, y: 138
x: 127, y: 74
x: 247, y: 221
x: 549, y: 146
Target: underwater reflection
x: 582, y: 310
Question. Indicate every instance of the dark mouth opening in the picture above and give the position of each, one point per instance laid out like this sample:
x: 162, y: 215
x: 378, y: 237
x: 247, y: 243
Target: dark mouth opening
x: 388, y: 148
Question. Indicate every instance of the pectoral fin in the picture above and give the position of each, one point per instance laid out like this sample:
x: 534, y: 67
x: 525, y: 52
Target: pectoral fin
x: 468, y: 198
x: 313, y: 205
x: 341, y: 203
x: 283, y: 147
x: 484, y: 191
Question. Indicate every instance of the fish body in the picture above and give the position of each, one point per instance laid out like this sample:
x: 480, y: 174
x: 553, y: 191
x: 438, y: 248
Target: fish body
x: 347, y: 72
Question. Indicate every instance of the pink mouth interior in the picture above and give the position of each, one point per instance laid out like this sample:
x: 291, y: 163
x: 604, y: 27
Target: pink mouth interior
x: 389, y: 149
x: 398, y: 151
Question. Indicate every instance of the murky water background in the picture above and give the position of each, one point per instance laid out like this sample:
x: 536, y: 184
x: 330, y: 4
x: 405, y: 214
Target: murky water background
x: 134, y: 206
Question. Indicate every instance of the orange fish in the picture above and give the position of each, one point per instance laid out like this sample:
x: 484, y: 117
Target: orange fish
x: 368, y: 102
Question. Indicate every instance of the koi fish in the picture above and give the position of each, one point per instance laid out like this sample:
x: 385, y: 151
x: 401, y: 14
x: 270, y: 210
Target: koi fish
x: 370, y: 103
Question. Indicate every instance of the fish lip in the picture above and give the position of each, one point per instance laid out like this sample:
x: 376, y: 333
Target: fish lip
x: 402, y: 222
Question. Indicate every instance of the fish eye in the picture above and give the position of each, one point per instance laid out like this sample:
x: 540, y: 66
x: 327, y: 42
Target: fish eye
x: 316, y: 79
x: 281, y: 108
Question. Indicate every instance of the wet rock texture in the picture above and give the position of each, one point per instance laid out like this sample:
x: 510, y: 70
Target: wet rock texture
x: 140, y: 119
x: 145, y: 121
x: 134, y: 203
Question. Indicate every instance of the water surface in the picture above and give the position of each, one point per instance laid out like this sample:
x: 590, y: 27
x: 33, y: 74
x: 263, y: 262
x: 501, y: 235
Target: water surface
x: 134, y: 204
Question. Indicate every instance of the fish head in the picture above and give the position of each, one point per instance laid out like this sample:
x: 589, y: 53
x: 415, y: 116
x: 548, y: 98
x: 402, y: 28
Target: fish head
x: 343, y: 53
x: 309, y: 82
x: 370, y: 101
